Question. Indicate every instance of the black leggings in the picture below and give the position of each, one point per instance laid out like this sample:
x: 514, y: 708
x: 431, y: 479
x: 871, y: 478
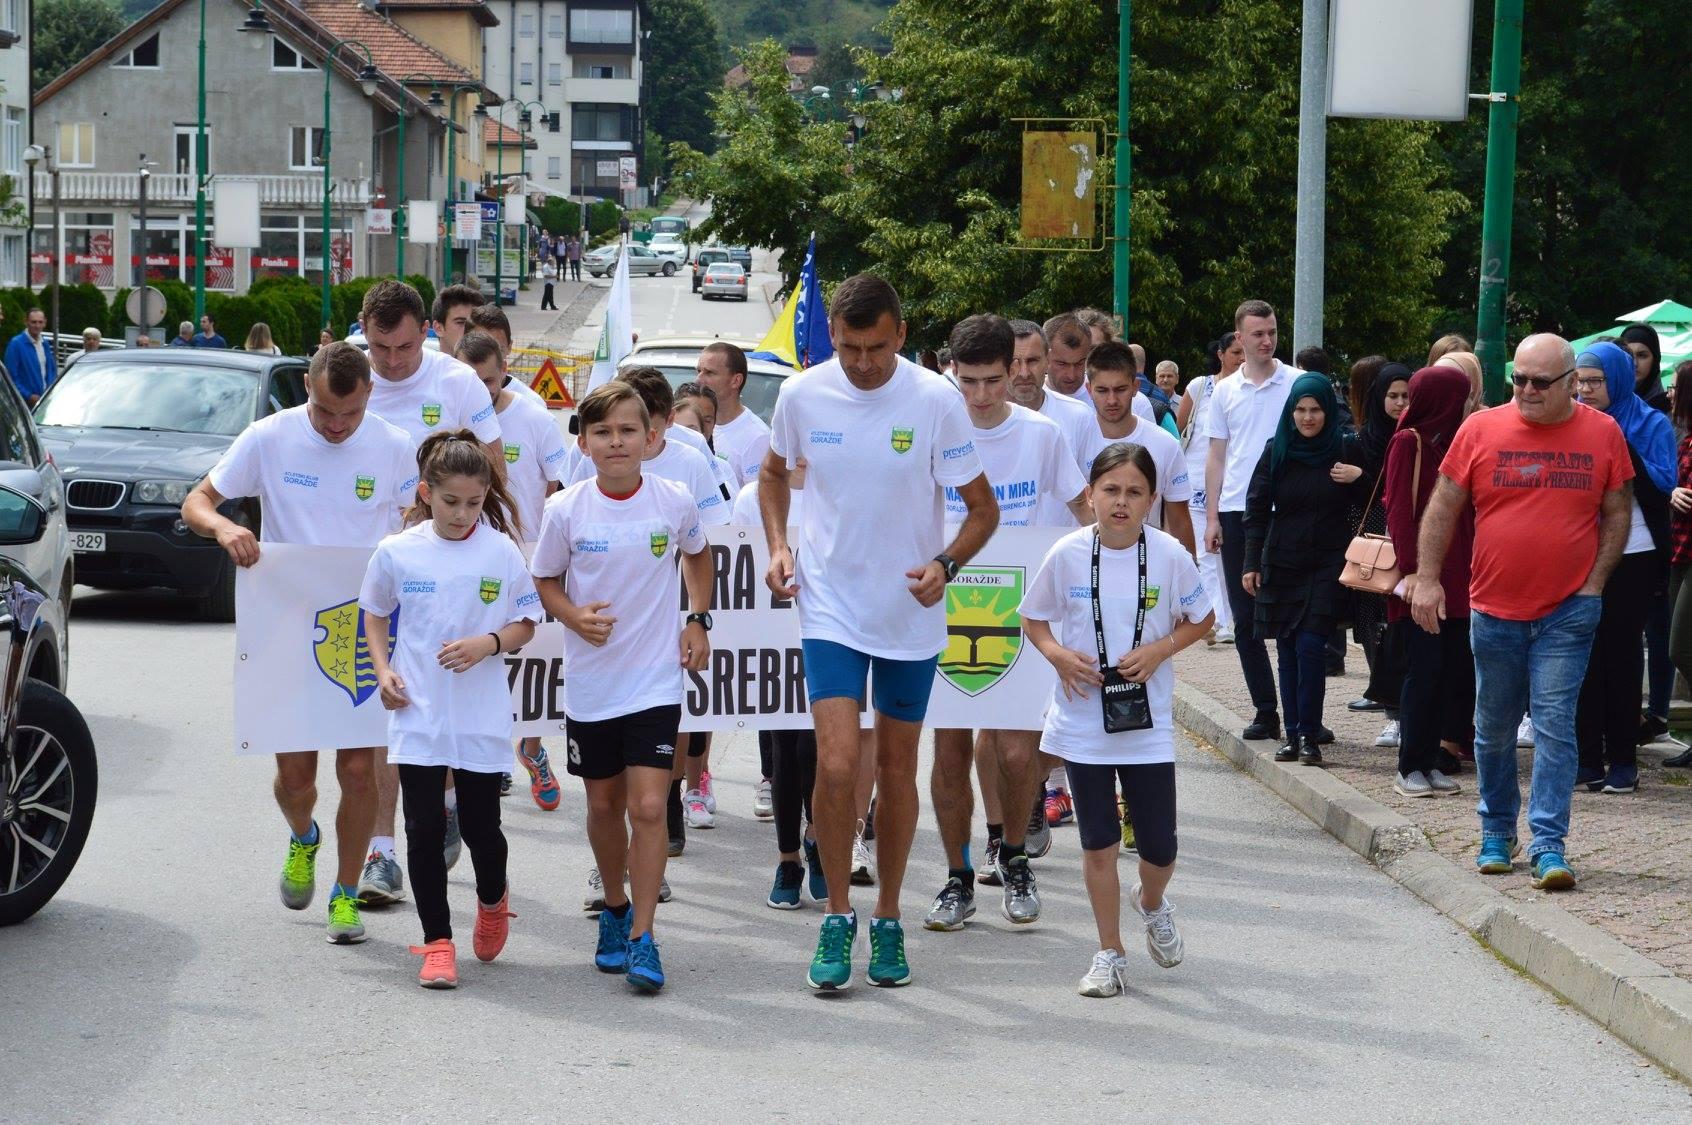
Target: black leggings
x: 794, y: 755
x: 1438, y: 700
x: 425, y: 839
x: 1607, y: 719
x: 698, y: 743
x: 1150, y: 793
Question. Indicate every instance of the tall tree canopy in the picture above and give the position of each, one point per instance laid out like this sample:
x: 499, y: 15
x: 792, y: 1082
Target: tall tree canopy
x: 684, y: 69
x: 67, y: 30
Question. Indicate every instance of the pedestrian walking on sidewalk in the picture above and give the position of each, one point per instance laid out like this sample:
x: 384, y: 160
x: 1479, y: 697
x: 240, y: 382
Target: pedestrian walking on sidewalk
x: 549, y: 277
x: 573, y: 254
x: 1295, y: 539
x: 1541, y: 470
x: 1437, y: 698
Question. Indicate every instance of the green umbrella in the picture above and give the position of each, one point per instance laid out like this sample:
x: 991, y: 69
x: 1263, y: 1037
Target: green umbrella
x: 1673, y: 322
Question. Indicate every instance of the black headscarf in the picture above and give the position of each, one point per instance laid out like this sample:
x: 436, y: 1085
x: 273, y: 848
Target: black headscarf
x: 1378, y: 426
x: 1650, y: 388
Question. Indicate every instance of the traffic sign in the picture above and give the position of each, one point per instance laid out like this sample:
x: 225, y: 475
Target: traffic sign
x: 144, y: 307
x: 550, y: 387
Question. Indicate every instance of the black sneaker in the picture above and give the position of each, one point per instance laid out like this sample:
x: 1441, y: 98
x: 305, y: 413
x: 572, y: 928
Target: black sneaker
x: 1289, y: 752
x: 505, y: 785
x: 1323, y: 737
x: 1266, y: 725
x: 1651, y: 728
x: 1680, y: 760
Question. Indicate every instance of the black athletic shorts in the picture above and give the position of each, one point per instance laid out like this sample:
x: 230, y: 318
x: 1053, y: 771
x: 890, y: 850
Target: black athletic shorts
x: 604, y: 749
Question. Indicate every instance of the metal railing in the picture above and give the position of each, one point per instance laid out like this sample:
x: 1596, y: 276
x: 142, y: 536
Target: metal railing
x: 303, y: 189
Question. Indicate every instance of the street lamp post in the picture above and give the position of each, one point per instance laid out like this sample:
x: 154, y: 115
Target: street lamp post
x: 437, y: 106
x: 524, y: 120
x: 367, y: 79
x: 33, y: 155
x: 141, y: 258
x: 452, y: 162
x: 199, y: 182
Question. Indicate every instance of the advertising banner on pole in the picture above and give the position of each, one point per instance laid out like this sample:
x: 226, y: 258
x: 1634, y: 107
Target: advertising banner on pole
x: 304, y: 681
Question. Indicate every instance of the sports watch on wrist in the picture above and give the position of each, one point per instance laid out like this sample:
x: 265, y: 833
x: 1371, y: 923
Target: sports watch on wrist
x: 949, y: 564
x: 704, y: 620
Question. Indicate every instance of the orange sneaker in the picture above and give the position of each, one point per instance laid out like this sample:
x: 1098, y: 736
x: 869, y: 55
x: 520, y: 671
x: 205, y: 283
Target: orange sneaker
x: 440, y: 964
x: 493, y: 926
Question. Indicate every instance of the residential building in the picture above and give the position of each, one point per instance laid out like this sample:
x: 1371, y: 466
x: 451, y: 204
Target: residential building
x: 135, y: 97
x: 581, y: 60
x: 15, y: 34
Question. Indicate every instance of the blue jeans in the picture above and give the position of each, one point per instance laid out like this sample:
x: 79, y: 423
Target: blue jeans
x: 1303, y: 658
x: 1518, y: 663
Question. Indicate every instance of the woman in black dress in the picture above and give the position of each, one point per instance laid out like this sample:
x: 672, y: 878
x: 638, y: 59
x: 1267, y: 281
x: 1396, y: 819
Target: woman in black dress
x: 1296, y: 535
x: 1383, y: 402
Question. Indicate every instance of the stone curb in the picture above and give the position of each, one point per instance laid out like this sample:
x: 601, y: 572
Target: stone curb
x: 1639, y: 1001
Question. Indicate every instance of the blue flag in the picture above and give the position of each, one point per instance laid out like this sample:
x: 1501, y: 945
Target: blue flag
x: 811, y: 342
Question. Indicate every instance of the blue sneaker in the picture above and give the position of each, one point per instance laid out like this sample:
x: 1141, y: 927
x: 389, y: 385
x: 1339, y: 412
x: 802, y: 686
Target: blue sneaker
x: 817, y: 880
x: 888, y: 967
x: 1551, y: 873
x: 831, y: 966
x: 612, y: 955
x: 646, y: 972
x: 1495, y: 855
x: 789, y: 878
x: 1589, y: 779
x: 1621, y: 779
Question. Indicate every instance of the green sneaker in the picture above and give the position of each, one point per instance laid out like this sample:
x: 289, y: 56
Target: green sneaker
x: 345, y: 926
x: 831, y: 968
x: 299, y: 873
x: 887, y: 967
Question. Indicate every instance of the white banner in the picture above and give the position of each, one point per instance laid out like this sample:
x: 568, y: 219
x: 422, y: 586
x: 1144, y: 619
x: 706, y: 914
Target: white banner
x: 616, y: 335
x: 303, y: 679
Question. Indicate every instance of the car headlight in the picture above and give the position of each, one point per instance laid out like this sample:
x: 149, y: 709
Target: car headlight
x: 171, y: 492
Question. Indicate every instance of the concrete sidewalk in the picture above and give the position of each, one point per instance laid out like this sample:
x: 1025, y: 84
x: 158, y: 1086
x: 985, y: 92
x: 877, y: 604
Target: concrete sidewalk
x: 1619, y: 947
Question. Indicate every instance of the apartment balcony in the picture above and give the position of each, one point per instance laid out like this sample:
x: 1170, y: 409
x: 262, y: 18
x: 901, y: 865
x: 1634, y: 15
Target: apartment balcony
x: 606, y: 91
x: 299, y: 190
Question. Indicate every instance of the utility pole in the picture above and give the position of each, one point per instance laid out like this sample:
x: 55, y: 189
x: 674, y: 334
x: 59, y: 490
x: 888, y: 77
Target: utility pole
x: 1497, y: 212
x: 141, y: 260
x: 1310, y: 237
x: 1119, y: 300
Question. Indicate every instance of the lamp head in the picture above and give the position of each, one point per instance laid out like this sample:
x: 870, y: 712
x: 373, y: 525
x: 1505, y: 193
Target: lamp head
x: 259, y: 24
x: 367, y: 79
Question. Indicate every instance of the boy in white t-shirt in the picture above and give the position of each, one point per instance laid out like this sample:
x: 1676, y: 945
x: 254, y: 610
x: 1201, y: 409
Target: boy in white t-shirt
x: 333, y: 474
x: 1031, y: 471
x: 740, y: 435
x: 606, y: 567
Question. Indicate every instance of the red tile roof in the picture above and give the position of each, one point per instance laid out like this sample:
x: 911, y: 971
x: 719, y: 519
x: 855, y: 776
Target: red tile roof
x: 504, y: 136
x: 395, y: 51
x: 797, y: 66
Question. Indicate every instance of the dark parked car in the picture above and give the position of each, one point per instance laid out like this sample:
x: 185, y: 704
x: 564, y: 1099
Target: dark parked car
x: 704, y: 260
x: 49, y: 778
x: 132, y: 432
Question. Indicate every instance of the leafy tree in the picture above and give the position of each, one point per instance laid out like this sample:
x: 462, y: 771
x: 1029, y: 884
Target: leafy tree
x: 835, y: 67
x: 683, y: 67
x: 66, y: 31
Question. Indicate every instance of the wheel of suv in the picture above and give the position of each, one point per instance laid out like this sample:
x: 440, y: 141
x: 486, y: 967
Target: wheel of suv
x: 217, y: 603
x: 49, y: 780
x: 669, y: 269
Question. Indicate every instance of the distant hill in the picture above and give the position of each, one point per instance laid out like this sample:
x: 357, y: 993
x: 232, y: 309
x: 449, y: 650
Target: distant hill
x: 134, y: 9
x: 796, y: 22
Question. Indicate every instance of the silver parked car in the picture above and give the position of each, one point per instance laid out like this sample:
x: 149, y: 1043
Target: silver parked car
x: 641, y: 261
x: 725, y: 279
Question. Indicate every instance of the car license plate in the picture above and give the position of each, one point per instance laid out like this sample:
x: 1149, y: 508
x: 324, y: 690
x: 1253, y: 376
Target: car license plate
x: 88, y: 541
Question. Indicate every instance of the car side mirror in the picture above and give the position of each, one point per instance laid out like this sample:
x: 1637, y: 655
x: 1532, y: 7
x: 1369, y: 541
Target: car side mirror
x: 22, y: 519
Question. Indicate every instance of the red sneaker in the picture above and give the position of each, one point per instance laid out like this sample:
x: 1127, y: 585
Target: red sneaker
x: 493, y: 926
x: 1059, y: 808
x: 440, y: 964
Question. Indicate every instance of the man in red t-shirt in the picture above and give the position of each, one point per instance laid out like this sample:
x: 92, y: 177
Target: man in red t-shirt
x: 1550, y: 480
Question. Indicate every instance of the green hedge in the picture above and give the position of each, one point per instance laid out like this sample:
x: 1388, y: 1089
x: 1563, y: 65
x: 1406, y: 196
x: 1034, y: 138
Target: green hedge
x: 304, y: 300
x: 425, y: 288
x: 15, y: 303
x: 236, y: 316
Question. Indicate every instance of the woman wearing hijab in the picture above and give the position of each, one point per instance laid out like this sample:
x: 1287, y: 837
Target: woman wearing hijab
x: 1437, y: 702
x: 1296, y: 536
x: 1382, y: 403
x: 1647, y: 350
x: 1607, y: 720
x: 1680, y: 537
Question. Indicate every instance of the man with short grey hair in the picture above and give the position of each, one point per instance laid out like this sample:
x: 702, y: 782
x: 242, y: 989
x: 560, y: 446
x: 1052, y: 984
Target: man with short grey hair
x: 1540, y: 470
x: 184, y: 337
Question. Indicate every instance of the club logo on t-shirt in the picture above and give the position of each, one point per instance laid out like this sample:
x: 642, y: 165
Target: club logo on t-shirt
x: 490, y: 591
x: 364, y: 487
x: 983, y: 627
x: 512, y: 452
x: 660, y: 543
x: 431, y: 414
x: 1153, y: 593
x: 903, y: 438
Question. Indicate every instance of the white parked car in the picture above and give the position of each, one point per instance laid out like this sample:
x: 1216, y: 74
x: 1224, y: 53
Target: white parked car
x: 670, y: 248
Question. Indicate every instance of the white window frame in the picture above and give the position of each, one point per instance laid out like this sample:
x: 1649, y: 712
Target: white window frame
x: 12, y: 141
x: 555, y: 25
x: 554, y: 168
x: 587, y: 34
x: 13, y: 14
x: 526, y: 25
x: 127, y: 61
x: 188, y: 131
x: 526, y: 74
x: 301, y: 63
x: 313, y: 140
x: 72, y: 155
x: 554, y: 74
x: 14, y: 260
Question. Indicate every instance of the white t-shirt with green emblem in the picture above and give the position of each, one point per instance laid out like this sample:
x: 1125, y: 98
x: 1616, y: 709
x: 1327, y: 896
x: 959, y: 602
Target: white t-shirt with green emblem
x: 1028, y: 462
x: 874, y: 501
x: 534, y: 456
x: 441, y: 395
x: 622, y: 552
x: 445, y: 590
x: 317, y: 492
x: 679, y: 463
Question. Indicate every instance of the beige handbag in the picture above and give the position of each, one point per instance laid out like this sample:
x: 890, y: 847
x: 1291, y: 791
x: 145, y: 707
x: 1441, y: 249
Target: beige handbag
x: 1371, y: 562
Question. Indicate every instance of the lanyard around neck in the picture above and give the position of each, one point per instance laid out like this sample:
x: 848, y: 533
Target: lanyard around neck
x: 1139, y: 602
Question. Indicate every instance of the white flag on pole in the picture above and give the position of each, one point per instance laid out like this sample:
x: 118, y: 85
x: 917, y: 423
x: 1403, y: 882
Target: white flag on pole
x: 616, y: 336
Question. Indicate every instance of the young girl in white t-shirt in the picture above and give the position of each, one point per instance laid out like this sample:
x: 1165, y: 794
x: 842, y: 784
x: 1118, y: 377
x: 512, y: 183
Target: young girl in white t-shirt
x: 605, y: 566
x: 461, y: 591
x: 1122, y: 565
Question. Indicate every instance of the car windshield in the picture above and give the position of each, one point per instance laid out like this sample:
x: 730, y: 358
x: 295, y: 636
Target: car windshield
x: 183, y: 398
x: 725, y: 269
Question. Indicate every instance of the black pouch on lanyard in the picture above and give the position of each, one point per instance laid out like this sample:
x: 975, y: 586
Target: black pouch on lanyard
x: 1125, y: 702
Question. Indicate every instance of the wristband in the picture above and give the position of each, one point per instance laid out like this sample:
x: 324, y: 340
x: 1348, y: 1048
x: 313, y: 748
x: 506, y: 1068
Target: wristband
x: 495, y: 636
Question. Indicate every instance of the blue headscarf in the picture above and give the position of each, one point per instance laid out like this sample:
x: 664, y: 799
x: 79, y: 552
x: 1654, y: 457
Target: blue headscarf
x: 1648, y: 432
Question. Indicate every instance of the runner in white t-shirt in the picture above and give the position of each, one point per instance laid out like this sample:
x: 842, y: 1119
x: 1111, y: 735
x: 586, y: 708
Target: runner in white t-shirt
x: 491, y: 319
x: 696, y: 410
x: 1111, y: 379
x: 606, y: 567
x: 1140, y: 573
x: 741, y: 437
x: 1028, y: 388
x: 328, y: 473
x: 882, y: 439
x: 1029, y: 466
x: 458, y: 582
x: 675, y: 457
x: 423, y: 392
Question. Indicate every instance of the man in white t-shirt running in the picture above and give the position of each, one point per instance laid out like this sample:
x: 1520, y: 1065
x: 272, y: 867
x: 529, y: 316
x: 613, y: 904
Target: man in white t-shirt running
x: 881, y: 439
x: 741, y: 437
x: 1113, y: 387
x: 1028, y: 388
x: 1029, y: 465
x: 422, y: 392
x: 1244, y: 412
x: 331, y: 474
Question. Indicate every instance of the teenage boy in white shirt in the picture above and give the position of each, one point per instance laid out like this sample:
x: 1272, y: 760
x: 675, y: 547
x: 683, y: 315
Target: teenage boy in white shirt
x: 1027, y: 387
x: 1112, y: 385
x: 741, y: 437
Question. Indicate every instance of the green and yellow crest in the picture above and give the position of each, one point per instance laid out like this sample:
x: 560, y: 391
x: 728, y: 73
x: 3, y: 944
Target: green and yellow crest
x: 660, y: 543
x: 983, y: 627
x: 364, y: 487
x: 512, y: 452
x: 340, y: 651
x: 903, y: 437
x: 490, y: 591
x: 431, y: 414
x: 1153, y: 594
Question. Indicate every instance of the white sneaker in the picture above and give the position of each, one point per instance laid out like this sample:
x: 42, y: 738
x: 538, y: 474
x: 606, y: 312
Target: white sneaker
x: 1389, y: 735
x: 1413, y: 784
x: 863, y: 860
x: 1524, y: 732
x: 595, y: 900
x: 1163, y: 940
x: 664, y: 892
x: 763, y: 800
x: 693, y: 807
x: 1225, y: 635
x: 1107, y: 977
x: 1442, y: 785
x: 706, y: 792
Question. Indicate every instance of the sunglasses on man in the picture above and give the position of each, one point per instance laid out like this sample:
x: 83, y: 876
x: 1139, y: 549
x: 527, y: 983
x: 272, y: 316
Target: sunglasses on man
x: 1539, y: 384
